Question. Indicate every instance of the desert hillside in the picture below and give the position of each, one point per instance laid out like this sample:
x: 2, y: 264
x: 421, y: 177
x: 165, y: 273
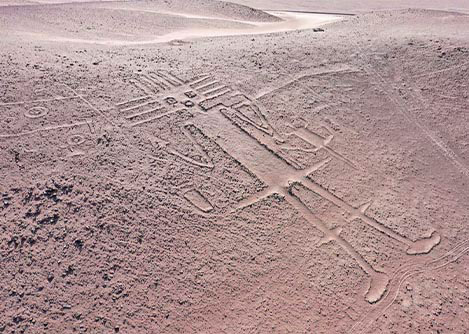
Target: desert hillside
x: 210, y: 167
x: 356, y: 6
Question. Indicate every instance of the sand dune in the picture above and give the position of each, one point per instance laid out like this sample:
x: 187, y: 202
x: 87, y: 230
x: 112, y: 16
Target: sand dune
x: 144, y: 23
x: 356, y: 6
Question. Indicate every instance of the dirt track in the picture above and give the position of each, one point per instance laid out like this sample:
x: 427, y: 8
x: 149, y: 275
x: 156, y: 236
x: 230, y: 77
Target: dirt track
x: 293, y: 182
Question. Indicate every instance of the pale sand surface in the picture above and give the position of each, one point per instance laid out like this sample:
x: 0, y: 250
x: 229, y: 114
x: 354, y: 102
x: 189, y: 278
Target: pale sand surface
x: 205, y: 167
x: 356, y: 6
x: 180, y: 25
x: 290, y: 21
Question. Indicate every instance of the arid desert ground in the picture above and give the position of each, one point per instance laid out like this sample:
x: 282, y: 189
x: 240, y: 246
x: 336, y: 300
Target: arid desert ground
x: 207, y: 167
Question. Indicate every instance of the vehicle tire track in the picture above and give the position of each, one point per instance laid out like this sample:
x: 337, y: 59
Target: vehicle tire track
x: 382, y: 83
x: 400, y: 276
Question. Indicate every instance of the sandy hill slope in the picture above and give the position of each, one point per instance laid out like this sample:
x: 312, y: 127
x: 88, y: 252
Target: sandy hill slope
x: 304, y: 180
x: 144, y: 22
x: 16, y: 2
x: 356, y: 6
x: 350, y: 6
x: 125, y: 21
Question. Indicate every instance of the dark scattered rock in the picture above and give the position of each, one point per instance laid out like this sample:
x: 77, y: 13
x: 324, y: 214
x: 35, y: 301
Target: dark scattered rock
x: 31, y: 241
x: 49, y: 220
x: 35, y: 213
x: 13, y: 242
x: 66, y: 306
x: 118, y: 290
x: 6, y: 200
x: 104, y: 140
x: 318, y: 30
x: 78, y: 244
x: 13, y: 293
x: 17, y: 155
x: 50, y: 277
x: 64, y: 189
x: 6, y: 203
x: 155, y: 284
x: 70, y: 270
x: 51, y: 194
x: 28, y: 197
x: 18, y: 319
